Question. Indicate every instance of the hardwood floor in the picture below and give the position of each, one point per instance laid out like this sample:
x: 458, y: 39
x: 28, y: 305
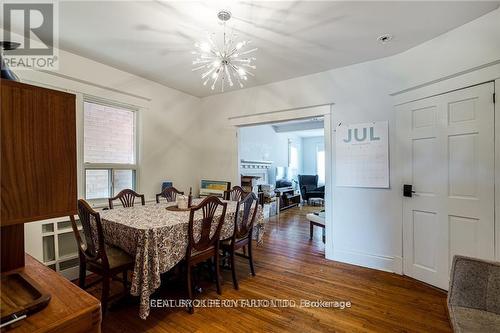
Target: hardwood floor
x: 290, y: 266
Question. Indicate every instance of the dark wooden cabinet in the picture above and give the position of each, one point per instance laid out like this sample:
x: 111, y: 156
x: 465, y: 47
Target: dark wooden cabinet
x: 38, y: 153
x: 287, y: 198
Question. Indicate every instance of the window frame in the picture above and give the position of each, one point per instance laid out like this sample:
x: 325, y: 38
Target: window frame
x: 110, y: 167
x: 320, y: 148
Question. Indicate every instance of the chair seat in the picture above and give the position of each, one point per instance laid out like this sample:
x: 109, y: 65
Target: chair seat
x: 117, y: 257
x: 474, y: 321
x: 208, y: 251
x: 227, y: 242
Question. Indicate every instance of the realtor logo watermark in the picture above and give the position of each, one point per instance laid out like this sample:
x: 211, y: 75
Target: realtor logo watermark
x: 249, y: 303
x: 35, y: 26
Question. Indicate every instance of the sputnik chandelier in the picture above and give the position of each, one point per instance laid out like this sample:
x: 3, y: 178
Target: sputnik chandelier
x: 226, y: 62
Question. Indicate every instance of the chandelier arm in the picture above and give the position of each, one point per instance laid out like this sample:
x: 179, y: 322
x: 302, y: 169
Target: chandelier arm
x: 208, y: 73
x: 233, y: 51
x: 245, y: 61
x: 249, y: 51
x: 237, y: 76
x: 216, y: 77
x: 249, y: 66
x: 239, y: 81
x: 211, y: 40
x: 224, y: 37
x: 228, y: 74
x: 201, y: 61
x: 200, y: 67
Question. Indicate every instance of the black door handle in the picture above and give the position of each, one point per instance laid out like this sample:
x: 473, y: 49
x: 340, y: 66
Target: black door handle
x: 408, y: 190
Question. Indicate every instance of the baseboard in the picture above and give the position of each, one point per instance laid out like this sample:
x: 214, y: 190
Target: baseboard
x: 383, y: 263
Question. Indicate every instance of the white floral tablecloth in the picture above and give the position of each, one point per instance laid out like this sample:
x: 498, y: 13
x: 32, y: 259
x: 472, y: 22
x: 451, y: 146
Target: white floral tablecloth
x: 157, y: 238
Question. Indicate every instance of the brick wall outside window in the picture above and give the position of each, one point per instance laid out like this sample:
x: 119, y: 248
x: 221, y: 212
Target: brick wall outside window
x: 108, y: 134
x: 109, y: 138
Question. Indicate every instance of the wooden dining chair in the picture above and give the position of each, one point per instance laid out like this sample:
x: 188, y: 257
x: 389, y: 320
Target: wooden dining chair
x: 246, y: 211
x: 127, y: 198
x: 169, y: 193
x: 235, y: 194
x: 205, y: 247
x: 97, y: 256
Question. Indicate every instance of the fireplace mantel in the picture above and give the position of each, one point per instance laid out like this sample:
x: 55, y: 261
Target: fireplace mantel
x: 253, y: 164
x: 256, y: 168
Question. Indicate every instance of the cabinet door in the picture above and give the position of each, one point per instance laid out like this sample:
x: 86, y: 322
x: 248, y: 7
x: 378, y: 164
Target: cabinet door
x: 38, y: 153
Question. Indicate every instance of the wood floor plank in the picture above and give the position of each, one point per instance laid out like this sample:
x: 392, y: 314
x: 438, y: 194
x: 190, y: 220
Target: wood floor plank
x: 290, y: 266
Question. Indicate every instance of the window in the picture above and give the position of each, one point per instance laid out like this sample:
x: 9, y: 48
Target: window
x: 320, y: 164
x: 109, y: 149
x: 293, y: 159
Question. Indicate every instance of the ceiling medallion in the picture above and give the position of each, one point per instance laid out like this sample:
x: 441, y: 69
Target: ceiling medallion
x: 226, y: 62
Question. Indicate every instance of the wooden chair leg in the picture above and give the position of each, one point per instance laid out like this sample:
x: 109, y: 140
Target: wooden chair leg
x: 83, y: 274
x: 210, y: 268
x: 233, y: 269
x: 311, y: 230
x: 105, y: 294
x: 125, y: 282
x: 217, y: 272
x: 189, y: 288
x: 250, y: 257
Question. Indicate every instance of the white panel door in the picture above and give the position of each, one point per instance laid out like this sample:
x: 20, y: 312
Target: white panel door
x: 447, y: 151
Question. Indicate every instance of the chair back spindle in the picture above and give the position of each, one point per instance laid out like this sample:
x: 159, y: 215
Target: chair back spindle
x: 127, y: 198
x: 169, y: 193
x: 208, y: 208
x: 93, y: 247
x: 246, y: 211
x: 236, y: 194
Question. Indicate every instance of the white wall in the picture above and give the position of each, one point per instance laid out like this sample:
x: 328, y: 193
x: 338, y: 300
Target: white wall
x: 262, y: 143
x: 168, y: 119
x: 367, y: 223
x: 309, y: 150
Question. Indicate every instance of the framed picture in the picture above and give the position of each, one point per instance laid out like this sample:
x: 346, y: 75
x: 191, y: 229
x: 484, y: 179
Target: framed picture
x: 214, y: 187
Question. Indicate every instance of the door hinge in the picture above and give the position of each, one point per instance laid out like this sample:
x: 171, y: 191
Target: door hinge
x: 494, y: 98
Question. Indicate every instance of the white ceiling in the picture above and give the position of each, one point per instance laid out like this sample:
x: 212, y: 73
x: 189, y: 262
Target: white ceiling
x: 310, y: 133
x: 304, y: 128
x: 153, y: 39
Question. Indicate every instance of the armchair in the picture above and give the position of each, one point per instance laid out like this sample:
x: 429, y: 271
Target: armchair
x: 309, y: 187
x: 474, y: 294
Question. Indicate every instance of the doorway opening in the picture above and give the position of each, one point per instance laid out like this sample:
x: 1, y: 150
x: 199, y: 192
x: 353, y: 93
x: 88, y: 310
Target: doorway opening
x: 285, y: 163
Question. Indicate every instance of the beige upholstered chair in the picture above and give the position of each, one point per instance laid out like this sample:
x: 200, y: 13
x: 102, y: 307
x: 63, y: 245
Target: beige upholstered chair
x: 474, y: 295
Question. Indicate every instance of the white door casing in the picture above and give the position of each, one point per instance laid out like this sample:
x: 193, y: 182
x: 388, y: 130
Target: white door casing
x: 447, y: 154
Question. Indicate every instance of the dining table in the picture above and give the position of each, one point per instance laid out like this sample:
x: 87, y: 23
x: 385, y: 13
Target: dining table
x: 157, y: 239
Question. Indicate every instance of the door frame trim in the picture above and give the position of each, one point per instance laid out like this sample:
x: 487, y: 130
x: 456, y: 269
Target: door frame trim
x: 327, y: 112
x: 480, y: 76
x: 497, y: 169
